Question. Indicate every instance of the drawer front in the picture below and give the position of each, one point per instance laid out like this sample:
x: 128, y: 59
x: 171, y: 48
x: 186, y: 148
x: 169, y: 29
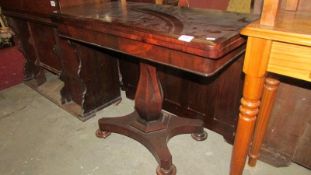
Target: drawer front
x: 290, y: 60
x: 44, y: 7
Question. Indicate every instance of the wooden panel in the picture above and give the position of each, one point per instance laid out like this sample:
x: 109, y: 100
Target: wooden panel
x: 289, y: 27
x: 286, y: 137
x: 90, y: 77
x: 42, y: 7
x: 69, y: 3
x: 303, y: 152
x: 269, y: 11
x: 24, y: 39
x: 45, y: 41
x: 290, y: 60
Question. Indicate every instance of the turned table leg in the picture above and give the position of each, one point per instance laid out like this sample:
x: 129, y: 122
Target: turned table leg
x: 255, y: 64
x: 149, y: 125
x: 267, y: 101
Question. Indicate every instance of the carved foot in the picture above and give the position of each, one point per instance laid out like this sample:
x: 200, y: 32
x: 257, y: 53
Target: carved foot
x: 171, y: 171
x: 102, y: 134
x: 199, y: 136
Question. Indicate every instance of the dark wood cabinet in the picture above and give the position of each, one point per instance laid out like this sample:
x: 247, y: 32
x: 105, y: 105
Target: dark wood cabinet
x: 85, y: 90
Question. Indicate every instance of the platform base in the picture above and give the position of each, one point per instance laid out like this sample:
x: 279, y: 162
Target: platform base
x: 155, y: 141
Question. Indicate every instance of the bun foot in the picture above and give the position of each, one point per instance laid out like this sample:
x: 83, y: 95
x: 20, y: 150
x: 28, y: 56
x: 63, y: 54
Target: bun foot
x: 102, y: 134
x: 171, y: 171
x: 199, y: 136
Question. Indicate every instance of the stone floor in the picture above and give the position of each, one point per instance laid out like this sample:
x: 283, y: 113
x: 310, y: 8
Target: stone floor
x: 39, y: 138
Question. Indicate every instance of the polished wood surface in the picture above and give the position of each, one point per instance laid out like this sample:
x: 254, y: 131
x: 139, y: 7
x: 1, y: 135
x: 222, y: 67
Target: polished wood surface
x: 213, y: 100
x: 267, y: 101
x: 84, y: 91
x: 254, y: 68
x: 293, y: 30
x: 41, y: 34
x: 165, y: 35
x: 32, y: 70
x: 182, y: 90
x: 290, y: 27
x: 281, y: 60
x: 90, y: 78
x: 170, y: 26
x: 269, y: 11
x: 150, y: 34
x: 40, y: 8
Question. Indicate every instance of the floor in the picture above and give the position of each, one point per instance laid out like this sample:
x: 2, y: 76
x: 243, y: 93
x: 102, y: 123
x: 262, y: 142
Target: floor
x: 39, y: 138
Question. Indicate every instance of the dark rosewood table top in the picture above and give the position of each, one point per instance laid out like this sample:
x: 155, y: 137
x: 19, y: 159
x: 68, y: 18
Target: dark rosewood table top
x: 215, y: 33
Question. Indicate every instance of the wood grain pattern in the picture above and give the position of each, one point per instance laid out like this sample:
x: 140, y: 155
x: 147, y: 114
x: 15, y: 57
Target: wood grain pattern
x: 167, y: 25
x: 289, y: 27
x: 149, y: 93
x: 126, y: 31
x: 213, y: 100
x: 70, y: 3
x: 45, y: 42
x: 281, y: 60
x: 190, y: 54
x: 288, y: 124
x: 302, y: 152
x: 267, y: 100
x: 27, y: 46
x: 269, y: 11
x: 40, y: 8
x: 255, y: 64
x: 90, y: 77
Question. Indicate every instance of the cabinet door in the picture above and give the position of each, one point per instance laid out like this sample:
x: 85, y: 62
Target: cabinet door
x: 44, y: 36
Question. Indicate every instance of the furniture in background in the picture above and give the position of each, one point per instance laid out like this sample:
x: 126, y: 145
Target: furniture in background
x: 280, y: 42
x: 84, y: 92
x: 287, y: 137
x: 153, y: 35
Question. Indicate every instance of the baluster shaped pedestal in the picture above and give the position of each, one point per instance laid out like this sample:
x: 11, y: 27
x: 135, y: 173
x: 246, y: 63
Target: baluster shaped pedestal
x: 149, y: 125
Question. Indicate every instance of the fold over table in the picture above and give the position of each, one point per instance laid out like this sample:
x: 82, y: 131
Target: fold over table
x: 194, y: 40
